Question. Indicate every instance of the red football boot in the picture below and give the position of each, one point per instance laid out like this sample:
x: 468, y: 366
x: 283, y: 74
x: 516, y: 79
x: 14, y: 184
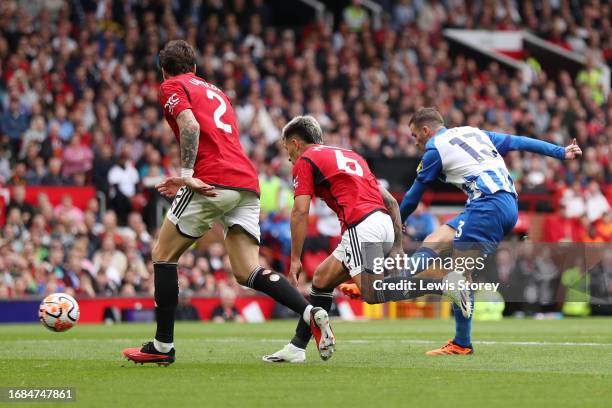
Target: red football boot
x: 148, y: 354
x: 322, y: 332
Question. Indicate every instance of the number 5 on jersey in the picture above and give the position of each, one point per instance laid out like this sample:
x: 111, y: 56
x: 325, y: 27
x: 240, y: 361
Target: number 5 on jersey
x: 220, y: 111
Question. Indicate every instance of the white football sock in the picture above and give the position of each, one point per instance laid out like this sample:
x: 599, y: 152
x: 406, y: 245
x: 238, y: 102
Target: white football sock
x: 162, y: 347
x: 306, y: 314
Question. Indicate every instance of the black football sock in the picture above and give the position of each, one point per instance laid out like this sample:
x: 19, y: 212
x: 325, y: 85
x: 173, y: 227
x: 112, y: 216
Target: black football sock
x: 277, y: 287
x: 318, y: 298
x: 166, y: 299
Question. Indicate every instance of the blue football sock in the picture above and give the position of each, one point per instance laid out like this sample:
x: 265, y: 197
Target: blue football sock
x: 463, y: 326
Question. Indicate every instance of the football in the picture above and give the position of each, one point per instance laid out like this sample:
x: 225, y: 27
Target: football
x: 59, y: 312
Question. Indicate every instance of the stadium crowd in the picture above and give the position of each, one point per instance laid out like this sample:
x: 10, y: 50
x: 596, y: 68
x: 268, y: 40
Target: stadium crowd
x: 78, y: 107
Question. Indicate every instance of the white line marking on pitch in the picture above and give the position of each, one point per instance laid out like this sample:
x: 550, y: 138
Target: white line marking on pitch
x: 349, y: 341
x: 482, y: 342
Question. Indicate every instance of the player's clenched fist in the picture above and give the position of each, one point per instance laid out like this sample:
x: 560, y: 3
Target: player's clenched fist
x: 171, y: 185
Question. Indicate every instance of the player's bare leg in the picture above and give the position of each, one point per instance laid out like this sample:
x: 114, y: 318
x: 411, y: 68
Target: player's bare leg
x: 167, y: 250
x: 243, y: 252
x: 327, y: 276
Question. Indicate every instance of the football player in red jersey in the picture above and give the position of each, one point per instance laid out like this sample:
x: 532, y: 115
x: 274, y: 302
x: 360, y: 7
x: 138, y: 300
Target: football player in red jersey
x: 367, y: 213
x: 218, y: 183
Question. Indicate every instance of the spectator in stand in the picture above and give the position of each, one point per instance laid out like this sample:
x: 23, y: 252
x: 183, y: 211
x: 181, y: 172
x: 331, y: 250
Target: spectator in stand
x: 596, y: 203
x: 185, y: 310
x: 226, y: 311
x: 77, y: 157
x: 421, y: 223
x: 65, y: 127
x: 18, y: 201
x: 123, y: 181
x: 54, y: 174
x: 271, y: 187
x: 72, y: 213
x: 432, y: 16
x: 101, y: 166
x: 110, y: 262
x: 5, y: 165
x: 355, y: 16
x: 52, y: 145
x: 35, y: 135
x: 573, y: 200
x: 13, y: 124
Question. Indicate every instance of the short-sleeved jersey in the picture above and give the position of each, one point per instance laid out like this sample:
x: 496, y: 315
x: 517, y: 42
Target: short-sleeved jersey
x: 342, y: 179
x: 220, y: 160
x: 470, y: 158
x: 466, y: 157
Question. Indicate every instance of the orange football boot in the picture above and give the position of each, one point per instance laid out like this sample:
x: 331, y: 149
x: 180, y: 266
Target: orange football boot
x: 350, y: 289
x: 449, y: 349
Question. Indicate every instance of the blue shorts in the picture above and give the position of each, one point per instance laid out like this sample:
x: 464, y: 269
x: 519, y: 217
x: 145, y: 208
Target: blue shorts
x: 485, y: 222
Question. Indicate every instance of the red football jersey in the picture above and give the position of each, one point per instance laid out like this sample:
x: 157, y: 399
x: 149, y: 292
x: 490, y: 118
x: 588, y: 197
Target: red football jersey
x: 342, y: 179
x: 220, y: 161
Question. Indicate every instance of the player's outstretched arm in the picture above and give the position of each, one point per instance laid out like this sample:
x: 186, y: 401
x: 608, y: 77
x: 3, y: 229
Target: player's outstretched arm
x: 299, y: 226
x: 394, y: 211
x: 505, y: 143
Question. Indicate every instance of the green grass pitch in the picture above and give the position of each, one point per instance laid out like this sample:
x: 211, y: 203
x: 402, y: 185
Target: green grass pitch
x: 518, y: 363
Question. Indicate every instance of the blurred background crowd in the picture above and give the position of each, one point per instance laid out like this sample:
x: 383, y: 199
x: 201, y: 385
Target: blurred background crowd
x: 78, y: 107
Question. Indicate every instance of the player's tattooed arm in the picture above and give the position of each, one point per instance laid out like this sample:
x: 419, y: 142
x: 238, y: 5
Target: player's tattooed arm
x: 189, y: 129
x: 394, y: 211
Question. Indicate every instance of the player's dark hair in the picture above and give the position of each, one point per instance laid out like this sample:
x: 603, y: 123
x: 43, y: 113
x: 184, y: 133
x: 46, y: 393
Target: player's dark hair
x: 426, y: 117
x: 306, y: 128
x: 177, y: 57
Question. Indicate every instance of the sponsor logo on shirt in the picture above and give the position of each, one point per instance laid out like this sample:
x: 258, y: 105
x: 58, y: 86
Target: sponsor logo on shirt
x: 171, y: 103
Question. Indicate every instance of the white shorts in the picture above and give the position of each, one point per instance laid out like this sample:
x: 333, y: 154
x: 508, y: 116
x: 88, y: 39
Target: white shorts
x: 376, y: 228
x: 194, y: 214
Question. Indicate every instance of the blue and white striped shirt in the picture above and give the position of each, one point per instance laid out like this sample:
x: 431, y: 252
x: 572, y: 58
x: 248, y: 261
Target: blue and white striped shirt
x: 472, y: 160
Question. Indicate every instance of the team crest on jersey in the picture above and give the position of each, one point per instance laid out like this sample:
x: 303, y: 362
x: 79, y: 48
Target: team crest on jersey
x: 171, y: 103
x: 420, y: 166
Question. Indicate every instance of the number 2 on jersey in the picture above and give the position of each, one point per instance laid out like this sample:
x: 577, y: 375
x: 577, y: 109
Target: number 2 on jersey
x: 220, y: 111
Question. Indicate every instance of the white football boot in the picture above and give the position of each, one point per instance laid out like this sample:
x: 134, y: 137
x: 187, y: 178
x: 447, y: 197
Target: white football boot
x: 288, y: 354
x: 461, y: 297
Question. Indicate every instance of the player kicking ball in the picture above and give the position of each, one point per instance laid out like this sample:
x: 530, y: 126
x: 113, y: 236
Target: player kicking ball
x: 218, y: 183
x: 366, y: 211
x: 471, y: 159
